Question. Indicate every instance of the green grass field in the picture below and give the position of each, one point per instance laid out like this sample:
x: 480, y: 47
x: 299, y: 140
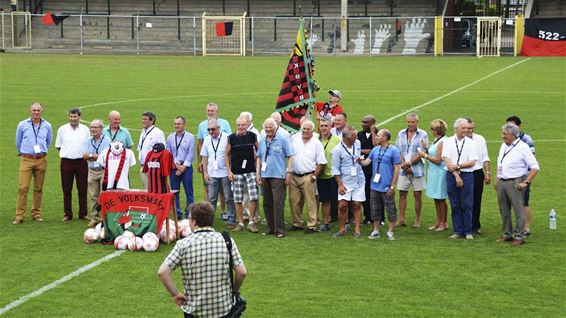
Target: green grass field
x: 421, y: 274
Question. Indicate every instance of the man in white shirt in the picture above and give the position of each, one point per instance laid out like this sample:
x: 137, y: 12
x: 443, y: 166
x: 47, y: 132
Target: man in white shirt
x: 307, y: 164
x: 214, y: 170
x: 280, y: 130
x: 480, y: 177
x: 516, y: 168
x: 460, y: 155
x: 340, y: 121
x: 116, y: 161
x: 70, y: 141
x: 149, y: 136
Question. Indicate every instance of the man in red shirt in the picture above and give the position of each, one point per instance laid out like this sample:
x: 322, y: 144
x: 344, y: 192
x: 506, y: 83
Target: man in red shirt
x: 330, y: 108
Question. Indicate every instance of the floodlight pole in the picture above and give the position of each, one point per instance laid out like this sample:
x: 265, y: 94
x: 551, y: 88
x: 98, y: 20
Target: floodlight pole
x: 138, y: 32
x: 344, y: 25
x: 82, y: 31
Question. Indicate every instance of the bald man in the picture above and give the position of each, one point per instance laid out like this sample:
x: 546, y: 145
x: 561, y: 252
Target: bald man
x: 115, y: 132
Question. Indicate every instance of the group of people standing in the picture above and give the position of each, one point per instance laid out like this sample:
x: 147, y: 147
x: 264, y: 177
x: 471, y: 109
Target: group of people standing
x: 327, y: 164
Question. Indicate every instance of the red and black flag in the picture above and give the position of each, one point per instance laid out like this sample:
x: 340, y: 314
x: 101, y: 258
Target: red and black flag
x: 51, y: 19
x: 544, y: 37
x: 298, y: 90
x: 224, y: 28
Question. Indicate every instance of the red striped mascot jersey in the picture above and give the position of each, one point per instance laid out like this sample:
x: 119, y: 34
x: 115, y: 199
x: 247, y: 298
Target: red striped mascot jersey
x: 158, y: 166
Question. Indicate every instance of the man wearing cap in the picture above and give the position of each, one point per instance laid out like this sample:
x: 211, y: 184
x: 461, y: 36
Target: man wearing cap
x: 33, y: 138
x: 330, y: 108
x: 92, y: 148
x: 149, y: 136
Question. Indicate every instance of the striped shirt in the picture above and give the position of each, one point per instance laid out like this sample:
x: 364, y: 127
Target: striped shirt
x: 204, y: 262
x: 158, y: 166
x: 408, y: 149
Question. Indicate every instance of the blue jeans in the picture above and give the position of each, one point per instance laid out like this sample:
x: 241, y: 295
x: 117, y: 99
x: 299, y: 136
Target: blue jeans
x: 187, y: 180
x: 213, y: 189
x: 461, y: 202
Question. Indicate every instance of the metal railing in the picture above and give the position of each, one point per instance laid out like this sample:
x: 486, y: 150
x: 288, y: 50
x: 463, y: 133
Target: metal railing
x: 139, y: 34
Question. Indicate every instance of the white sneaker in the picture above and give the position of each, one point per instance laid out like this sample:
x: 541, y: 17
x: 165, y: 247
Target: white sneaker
x: 374, y: 235
x: 469, y: 237
x: 390, y: 236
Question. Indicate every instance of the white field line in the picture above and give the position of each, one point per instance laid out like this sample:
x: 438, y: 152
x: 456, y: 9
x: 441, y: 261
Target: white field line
x: 450, y: 93
x: 58, y: 282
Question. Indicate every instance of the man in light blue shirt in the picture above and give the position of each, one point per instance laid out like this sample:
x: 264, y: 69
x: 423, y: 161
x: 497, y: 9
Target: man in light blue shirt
x: 182, y: 145
x: 33, y: 139
x: 273, y: 156
x: 350, y: 178
x: 115, y: 132
x: 92, y: 148
x: 412, y: 167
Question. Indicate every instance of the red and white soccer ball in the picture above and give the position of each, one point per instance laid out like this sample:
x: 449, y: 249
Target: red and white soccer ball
x: 121, y: 242
x: 163, y: 235
x: 90, y: 236
x: 128, y: 234
x: 150, y: 242
x: 185, y: 228
x: 135, y: 244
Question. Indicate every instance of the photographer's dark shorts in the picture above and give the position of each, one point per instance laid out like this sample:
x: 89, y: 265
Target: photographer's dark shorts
x: 327, y: 189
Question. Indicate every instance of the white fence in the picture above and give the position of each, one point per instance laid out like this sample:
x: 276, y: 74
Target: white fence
x: 264, y: 35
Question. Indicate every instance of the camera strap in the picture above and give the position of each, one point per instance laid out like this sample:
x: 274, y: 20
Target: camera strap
x: 228, y: 241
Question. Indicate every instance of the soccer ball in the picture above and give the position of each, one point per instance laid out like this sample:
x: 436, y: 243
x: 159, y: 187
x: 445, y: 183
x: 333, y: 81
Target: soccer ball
x: 135, y: 244
x: 185, y: 231
x: 101, y: 231
x: 90, y: 236
x: 128, y: 234
x: 121, y: 242
x: 150, y: 242
x: 172, y: 235
x: 149, y: 235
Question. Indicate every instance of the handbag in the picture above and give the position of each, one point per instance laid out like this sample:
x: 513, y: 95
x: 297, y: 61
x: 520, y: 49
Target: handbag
x: 239, y: 303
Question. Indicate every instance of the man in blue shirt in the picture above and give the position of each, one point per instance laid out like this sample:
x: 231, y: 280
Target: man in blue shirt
x: 115, y: 132
x: 386, y: 163
x: 412, y: 167
x: 350, y: 179
x: 274, y: 155
x: 182, y: 145
x: 33, y: 139
x: 92, y: 148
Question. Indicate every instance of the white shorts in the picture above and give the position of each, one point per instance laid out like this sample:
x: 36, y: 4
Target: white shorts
x: 404, y: 183
x: 358, y: 195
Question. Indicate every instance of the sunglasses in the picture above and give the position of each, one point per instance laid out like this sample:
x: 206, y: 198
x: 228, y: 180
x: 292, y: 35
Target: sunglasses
x: 211, y: 129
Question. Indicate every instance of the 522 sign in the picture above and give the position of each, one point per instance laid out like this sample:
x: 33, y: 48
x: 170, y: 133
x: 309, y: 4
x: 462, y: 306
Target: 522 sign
x: 551, y: 36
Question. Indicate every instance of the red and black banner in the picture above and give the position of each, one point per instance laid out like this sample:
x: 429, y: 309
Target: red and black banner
x: 51, y: 19
x: 224, y: 28
x: 544, y: 37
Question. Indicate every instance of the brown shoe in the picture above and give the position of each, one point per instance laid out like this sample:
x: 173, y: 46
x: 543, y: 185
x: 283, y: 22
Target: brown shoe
x: 252, y: 228
x: 517, y: 242
x: 231, y: 226
x: 38, y: 219
x: 238, y: 228
x: 84, y: 218
x: 504, y: 239
x: 18, y: 221
x: 67, y: 219
x: 92, y: 223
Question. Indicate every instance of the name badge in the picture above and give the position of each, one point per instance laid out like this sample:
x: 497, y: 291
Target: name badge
x: 36, y: 149
x: 353, y: 171
x: 376, y: 178
x: 244, y: 163
x: 95, y: 165
x: 263, y: 166
x: 215, y: 165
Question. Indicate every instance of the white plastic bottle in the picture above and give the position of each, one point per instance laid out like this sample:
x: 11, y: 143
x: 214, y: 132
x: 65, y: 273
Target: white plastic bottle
x: 552, y: 217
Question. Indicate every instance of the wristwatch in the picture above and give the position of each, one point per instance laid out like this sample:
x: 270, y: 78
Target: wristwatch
x: 314, y: 177
x: 392, y: 187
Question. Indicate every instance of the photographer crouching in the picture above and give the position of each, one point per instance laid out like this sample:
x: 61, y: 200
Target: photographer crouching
x: 210, y: 290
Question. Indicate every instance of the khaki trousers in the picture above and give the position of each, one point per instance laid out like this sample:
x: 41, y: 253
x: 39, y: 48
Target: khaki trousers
x: 28, y: 168
x: 301, y: 188
x: 95, y: 179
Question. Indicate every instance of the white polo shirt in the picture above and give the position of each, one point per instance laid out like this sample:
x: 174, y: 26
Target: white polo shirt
x: 515, y: 160
x: 215, y: 152
x: 307, y: 155
x: 149, y: 137
x: 482, y: 151
x: 71, y: 141
x: 459, y: 151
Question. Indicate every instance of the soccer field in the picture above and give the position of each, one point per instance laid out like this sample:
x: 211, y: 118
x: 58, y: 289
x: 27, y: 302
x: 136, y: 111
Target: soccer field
x: 421, y: 274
